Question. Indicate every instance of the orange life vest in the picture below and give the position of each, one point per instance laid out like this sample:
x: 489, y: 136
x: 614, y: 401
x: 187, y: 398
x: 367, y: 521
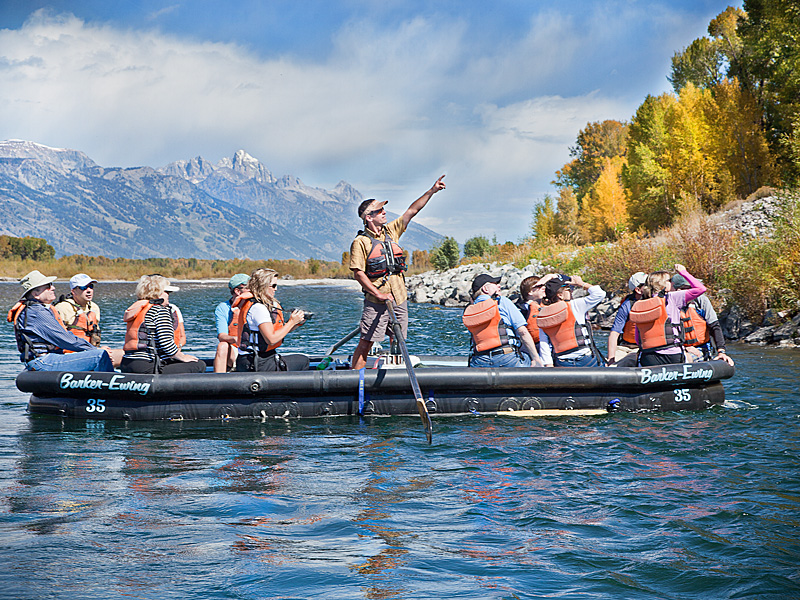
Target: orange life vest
x: 695, y: 328
x: 532, y: 325
x: 656, y: 331
x: 137, y: 337
x: 234, y: 328
x: 384, y: 258
x: 629, y: 330
x: 177, y: 325
x: 485, y: 325
x: 558, y: 321
x: 85, y: 325
x: 245, y: 339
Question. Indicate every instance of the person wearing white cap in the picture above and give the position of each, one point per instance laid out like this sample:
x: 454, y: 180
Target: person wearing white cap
x: 622, y: 337
x: 42, y: 337
x: 377, y: 263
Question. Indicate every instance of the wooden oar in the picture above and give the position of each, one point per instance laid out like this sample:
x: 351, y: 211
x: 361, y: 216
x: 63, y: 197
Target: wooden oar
x: 423, y: 410
x: 343, y: 341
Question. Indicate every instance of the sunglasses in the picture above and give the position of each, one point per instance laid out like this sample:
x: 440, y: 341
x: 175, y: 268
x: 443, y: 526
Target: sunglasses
x: 88, y: 286
x: 273, y: 285
x: 375, y: 213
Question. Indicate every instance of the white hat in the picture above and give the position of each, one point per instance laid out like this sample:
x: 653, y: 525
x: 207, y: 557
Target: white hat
x: 171, y: 288
x: 80, y: 280
x: 33, y: 280
x: 636, y: 280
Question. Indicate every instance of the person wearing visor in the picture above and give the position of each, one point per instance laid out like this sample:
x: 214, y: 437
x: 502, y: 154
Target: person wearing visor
x: 81, y: 314
x: 500, y: 337
x: 564, y: 335
x: 227, y: 351
x: 622, y: 345
x: 378, y: 263
x: 43, y: 340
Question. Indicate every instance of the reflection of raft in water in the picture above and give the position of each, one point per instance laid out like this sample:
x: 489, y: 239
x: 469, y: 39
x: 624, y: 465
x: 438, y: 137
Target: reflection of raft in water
x: 449, y: 388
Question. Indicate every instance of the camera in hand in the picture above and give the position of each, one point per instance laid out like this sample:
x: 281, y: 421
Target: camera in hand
x: 307, y: 315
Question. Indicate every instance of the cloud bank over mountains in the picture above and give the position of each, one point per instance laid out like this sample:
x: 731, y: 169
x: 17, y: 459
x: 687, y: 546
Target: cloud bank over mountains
x: 386, y: 106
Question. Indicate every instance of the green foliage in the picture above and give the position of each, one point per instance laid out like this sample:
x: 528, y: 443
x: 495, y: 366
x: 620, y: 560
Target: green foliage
x: 477, y: 246
x: 25, y: 248
x: 445, y: 255
x: 543, y: 225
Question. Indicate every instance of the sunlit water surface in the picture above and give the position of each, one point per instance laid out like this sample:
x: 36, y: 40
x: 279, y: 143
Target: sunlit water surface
x: 674, y: 505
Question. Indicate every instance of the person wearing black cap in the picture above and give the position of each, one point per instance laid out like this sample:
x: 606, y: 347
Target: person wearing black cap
x: 500, y: 337
x: 701, y: 324
x: 378, y: 263
x: 565, y: 338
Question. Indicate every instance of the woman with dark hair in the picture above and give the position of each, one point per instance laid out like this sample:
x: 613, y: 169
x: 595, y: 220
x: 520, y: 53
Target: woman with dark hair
x: 151, y: 344
x: 263, y: 329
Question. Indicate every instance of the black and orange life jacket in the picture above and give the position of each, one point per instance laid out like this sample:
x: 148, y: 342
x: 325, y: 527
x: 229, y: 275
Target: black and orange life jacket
x: 137, y: 336
x: 249, y: 340
x: 629, y: 330
x: 385, y: 257
x: 236, y: 309
x: 532, y: 324
x: 695, y: 327
x: 485, y: 325
x: 84, y: 324
x: 656, y: 331
x: 558, y: 321
x: 30, y: 348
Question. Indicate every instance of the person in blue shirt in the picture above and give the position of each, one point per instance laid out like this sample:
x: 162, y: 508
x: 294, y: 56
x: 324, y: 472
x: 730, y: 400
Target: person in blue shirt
x: 622, y: 346
x: 500, y: 337
x: 225, y: 358
x: 41, y: 336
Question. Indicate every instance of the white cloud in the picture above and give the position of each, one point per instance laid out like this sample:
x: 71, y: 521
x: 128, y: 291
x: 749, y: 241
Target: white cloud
x: 387, y: 110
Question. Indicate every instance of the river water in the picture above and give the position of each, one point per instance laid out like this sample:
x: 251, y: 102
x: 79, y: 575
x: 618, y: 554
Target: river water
x: 661, y: 506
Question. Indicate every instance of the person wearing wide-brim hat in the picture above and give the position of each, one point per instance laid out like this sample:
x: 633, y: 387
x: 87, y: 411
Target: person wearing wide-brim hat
x: 41, y: 336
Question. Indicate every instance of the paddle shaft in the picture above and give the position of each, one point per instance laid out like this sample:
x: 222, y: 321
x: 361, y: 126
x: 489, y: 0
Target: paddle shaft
x: 398, y: 335
x: 343, y: 341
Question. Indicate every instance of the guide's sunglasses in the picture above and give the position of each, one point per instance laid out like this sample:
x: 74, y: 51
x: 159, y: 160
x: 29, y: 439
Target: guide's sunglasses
x: 88, y: 286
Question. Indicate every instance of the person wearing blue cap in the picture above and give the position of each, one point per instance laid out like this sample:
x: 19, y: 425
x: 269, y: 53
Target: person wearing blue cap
x: 225, y: 358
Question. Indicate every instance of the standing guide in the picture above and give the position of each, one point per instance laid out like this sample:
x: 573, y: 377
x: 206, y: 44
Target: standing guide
x: 377, y: 263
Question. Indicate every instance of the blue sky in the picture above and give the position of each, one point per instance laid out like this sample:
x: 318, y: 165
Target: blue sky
x: 386, y: 95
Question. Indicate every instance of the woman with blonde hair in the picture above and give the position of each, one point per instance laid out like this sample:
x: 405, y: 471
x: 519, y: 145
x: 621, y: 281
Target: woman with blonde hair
x: 150, y: 339
x: 657, y: 316
x: 263, y: 329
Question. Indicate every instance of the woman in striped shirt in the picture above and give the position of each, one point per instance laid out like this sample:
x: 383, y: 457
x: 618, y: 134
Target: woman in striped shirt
x: 150, y: 345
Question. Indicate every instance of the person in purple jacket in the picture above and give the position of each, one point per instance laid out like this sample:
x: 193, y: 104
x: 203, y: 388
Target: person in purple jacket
x: 663, y: 343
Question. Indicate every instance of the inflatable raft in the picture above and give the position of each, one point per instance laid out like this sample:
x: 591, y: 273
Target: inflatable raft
x: 448, y: 389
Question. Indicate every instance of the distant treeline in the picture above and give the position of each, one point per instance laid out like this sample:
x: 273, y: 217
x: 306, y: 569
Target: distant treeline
x: 19, y: 256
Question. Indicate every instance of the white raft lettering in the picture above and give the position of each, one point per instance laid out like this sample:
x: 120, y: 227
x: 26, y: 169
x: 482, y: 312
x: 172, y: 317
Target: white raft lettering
x: 687, y: 374
x: 117, y: 383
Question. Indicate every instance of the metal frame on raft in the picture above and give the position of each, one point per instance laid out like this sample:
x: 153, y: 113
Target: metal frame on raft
x: 326, y: 393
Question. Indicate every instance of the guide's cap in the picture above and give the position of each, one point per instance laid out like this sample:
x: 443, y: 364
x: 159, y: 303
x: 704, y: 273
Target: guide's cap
x: 367, y: 206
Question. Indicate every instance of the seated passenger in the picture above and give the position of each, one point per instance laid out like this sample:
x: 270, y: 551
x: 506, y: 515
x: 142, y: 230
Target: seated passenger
x: 500, y: 337
x: 262, y: 328
x: 565, y: 336
x: 531, y: 292
x: 225, y: 358
x: 622, y: 346
x: 42, y: 339
x: 701, y: 328
x: 151, y: 344
x: 659, y: 329
x: 81, y: 315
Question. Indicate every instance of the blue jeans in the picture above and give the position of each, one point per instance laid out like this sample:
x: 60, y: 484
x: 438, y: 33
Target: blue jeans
x: 95, y: 359
x: 587, y: 360
x: 501, y: 360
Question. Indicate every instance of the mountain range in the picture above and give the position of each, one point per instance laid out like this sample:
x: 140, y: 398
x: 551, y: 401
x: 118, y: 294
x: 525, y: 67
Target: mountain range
x: 193, y: 208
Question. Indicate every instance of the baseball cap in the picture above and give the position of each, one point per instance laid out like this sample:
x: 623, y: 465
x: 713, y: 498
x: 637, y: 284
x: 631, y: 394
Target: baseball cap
x: 80, y: 280
x: 680, y: 282
x: 552, y: 287
x: 237, y: 280
x: 171, y: 288
x: 482, y: 280
x: 636, y: 280
x: 369, y: 205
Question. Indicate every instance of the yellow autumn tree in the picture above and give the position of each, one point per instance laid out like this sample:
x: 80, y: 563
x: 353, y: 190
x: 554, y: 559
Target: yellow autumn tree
x: 604, y: 215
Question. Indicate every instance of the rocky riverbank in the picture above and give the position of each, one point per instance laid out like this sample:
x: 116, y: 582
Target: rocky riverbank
x: 452, y: 288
